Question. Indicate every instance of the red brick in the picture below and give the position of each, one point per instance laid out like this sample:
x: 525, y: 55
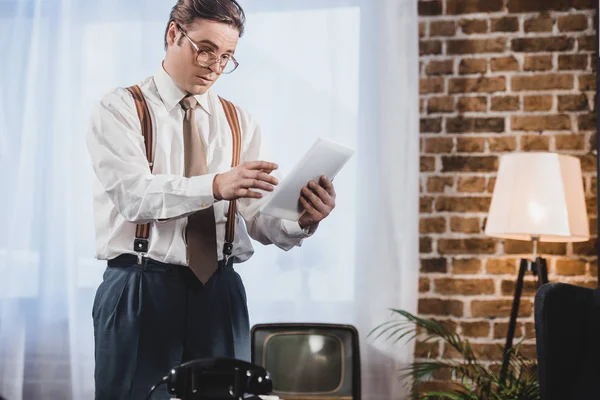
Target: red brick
x: 586, y: 43
x: 438, y: 184
x: 502, y: 143
x: 501, y: 330
x: 469, y: 163
x: 466, y: 246
x: 570, y: 267
x: 430, y: 125
x: 505, y: 103
x: 539, y: 23
x: 474, y: 124
x: 439, y: 145
x: 442, y: 28
x: 537, y: 63
x: 464, y: 286
x: 573, y: 102
x: 441, y: 307
x: 425, y: 204
x: 491, y: 184
x: 430, y: 47
x: 471, y: 184
x: 586, y: 122
x: 507, y: 287
x: 572, y: 62
x: 501, y: 266
x: 571, y: 141
x: 432, y: 225
x: 427, y: 349
x: 469, y: 26
x: 430, y: 7
x: 427, y: 164
x: 465, y: 225
x: 542, y: 82
x: 587, y: 82
x: 588, y: 164
x: 463, y: 204
x: 440, y: 67
x: 499, y: 308
x: 421, y: 29
x: 424, y: 285
x: 588, y: 248
x: 537, y: 103
x: 434, y: 265
x: 540, y: 122
x: 572, y: 23
x: 425, y: 245
x: 535, y: 143
x: 469, y: 266
x: 475, y: 329
x: 505, y: 24
x: 431, y: 85
x: 504, y: 64
x: 472, y: 66
x: 519, y: 6
x: 526, y: 247
x: 482, y: 84
x: 471, y: 103
x: 470, y: 145
x: 454, y: 7
x: 537, y: 44
x: 583, y: 4
x: 472, y: 46
x: 443, y: 104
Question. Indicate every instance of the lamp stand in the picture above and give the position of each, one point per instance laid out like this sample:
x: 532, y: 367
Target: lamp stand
x: 538, y: 268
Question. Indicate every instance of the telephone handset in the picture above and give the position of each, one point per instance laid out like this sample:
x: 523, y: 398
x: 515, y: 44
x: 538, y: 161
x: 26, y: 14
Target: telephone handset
x: 217, y: 379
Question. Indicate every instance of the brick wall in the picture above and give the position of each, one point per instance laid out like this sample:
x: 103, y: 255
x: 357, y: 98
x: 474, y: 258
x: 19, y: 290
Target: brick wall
x: 497, y: 76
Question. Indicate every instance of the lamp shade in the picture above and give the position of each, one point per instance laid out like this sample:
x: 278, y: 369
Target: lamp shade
x: 538, y: 195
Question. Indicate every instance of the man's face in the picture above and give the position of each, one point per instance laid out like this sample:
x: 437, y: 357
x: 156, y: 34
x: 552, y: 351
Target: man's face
x: 180, y: 60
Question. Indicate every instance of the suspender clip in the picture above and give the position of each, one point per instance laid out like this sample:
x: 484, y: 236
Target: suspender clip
x: 227, y: 249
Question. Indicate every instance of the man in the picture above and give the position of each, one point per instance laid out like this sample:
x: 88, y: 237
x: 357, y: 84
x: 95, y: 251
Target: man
x: 161, y: 307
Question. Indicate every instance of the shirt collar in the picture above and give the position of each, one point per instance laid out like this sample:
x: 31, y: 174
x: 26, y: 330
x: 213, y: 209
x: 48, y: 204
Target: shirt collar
x: 171, y: 94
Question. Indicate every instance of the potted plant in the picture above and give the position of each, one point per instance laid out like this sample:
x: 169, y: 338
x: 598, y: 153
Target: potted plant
x: 471, y: 379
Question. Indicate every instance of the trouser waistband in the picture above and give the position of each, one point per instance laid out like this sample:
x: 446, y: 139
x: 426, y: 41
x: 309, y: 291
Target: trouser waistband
x: 130, y: 259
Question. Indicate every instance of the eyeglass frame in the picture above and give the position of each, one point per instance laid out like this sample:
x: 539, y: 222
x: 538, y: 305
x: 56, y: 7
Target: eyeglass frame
x: 199, y: 51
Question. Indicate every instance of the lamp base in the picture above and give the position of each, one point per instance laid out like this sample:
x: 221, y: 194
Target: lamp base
x: 539, y: 268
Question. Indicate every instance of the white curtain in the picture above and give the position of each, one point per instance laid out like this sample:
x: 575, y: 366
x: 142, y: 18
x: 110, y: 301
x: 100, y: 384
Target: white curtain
x: 344, y: 69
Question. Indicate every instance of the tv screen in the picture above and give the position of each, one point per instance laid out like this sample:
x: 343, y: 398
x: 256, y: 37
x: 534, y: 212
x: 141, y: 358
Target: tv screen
x: 303, y: 362
x: 309, y: 361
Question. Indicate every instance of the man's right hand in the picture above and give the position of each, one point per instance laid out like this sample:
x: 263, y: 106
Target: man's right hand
x: 239, y: 182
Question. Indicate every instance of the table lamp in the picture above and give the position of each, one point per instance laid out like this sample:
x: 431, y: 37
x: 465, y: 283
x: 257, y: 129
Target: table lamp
x: 538, y: 197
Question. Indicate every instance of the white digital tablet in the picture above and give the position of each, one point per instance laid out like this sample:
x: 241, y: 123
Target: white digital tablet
x: 325, y: 157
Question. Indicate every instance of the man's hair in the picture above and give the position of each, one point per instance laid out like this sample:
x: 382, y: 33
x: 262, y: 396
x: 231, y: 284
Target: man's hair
x: 186, y: 12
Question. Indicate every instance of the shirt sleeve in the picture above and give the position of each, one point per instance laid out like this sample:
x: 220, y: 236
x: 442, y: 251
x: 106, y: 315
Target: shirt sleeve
x: 264, y: 228
x: 116, y: 148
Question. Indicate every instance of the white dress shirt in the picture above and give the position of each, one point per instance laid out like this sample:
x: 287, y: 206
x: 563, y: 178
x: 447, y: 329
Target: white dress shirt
x: 126, y: 193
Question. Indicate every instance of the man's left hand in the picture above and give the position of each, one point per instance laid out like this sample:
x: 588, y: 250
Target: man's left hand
x: 318, y: 200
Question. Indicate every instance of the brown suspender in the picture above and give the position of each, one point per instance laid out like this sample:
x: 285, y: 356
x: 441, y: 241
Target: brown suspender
x: 236, y: 133
x: 142, y: 231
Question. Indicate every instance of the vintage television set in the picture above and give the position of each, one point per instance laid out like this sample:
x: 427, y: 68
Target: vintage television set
x: 309, y: 361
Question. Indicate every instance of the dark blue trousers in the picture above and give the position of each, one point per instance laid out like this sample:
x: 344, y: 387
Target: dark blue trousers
x: 151, y: 317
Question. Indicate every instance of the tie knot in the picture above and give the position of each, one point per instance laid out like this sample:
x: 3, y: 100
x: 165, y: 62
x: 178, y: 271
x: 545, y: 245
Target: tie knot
x: 188, y: 102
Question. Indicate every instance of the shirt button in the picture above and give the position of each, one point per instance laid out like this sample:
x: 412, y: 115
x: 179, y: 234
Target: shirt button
x: 203, y: 205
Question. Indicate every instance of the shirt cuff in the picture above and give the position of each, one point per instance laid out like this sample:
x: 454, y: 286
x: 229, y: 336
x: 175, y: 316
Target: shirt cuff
x: 292, y: 228
x: 201, y: 192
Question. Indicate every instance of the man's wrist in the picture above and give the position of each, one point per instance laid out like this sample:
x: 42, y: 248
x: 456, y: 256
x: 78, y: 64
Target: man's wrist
x: 215, y: 187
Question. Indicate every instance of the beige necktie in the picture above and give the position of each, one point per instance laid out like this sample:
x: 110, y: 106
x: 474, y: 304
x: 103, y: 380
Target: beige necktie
x: 201, y: 229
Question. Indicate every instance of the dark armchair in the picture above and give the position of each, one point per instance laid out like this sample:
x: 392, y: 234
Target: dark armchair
x: 567, y: 323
